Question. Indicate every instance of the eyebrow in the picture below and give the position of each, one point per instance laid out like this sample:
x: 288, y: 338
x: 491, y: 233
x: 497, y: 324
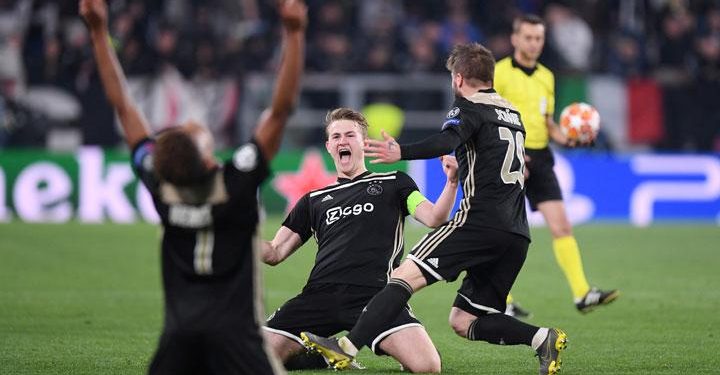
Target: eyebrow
x: 339, y: 133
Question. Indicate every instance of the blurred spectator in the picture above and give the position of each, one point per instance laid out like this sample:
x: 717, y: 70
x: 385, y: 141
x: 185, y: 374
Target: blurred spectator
x: 626, y: 56
x: 188, y: 58
x: 706, y: 132
x: 329, y: 49
x: 457, y: 27
x: 423, y: 58
x: 570, y: 36
x: 673, y: 72
x: 14, y: 18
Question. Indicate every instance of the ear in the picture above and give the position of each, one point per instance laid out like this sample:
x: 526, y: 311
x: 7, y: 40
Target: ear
x: 459, y: 80
x: 327, y: 147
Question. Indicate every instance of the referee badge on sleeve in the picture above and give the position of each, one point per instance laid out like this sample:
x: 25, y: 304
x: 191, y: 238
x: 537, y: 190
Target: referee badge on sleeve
x: 453, y: 112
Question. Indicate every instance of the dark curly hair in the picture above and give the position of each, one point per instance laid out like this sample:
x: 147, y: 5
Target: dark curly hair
x: 177, y: 160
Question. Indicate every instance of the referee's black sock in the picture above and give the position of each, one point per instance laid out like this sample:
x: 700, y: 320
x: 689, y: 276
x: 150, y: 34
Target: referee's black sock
x: 381, y: 311
x: 501, y: 329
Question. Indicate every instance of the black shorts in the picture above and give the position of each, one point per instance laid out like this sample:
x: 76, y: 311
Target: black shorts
x: 542, y: 184
x: 328, y: 309
x: 230, y: 351
x: 492, y: 259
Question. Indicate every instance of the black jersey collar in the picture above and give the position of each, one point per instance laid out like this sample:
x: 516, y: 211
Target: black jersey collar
x: 487, y: 91
x: 526, y: 70
x: 342, y: 180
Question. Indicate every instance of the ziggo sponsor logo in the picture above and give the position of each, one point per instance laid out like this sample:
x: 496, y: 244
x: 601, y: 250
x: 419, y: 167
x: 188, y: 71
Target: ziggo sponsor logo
x: 336, y: 213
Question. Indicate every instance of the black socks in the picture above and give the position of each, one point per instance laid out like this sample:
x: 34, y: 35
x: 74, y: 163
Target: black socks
x: 501, y: 329
x: 380, y: 312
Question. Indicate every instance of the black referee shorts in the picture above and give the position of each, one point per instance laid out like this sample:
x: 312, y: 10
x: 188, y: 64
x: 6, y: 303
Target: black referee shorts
x: 542, y: 184
x: 236, y: 351
x: 491, y: 257
x: 328, y: 309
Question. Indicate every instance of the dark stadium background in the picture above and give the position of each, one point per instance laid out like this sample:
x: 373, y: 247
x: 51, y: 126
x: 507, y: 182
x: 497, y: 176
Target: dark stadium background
x: 79, y: 273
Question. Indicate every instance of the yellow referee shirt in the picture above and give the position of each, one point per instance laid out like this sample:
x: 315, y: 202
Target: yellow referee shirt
x: 532, y: 92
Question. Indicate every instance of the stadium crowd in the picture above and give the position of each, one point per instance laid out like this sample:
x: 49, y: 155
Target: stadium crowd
x: 202, y: 50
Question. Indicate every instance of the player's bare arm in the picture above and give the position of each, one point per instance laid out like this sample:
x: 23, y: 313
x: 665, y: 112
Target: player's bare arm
x: 268, y: 133
x: 433, y: 215
x: 134, y: 125
x: 282, y: 246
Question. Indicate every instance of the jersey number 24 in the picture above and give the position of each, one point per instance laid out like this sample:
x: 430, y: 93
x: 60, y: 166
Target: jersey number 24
x: 515, y: 148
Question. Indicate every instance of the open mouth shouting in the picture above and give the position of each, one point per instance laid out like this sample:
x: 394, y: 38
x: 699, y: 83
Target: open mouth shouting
x: 345, y: 155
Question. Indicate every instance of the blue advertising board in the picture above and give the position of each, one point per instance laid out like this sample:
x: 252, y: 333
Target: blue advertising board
x: 641, y: 189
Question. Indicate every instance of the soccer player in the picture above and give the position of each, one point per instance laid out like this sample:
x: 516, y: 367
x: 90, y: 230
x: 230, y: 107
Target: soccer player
x: 209, y: 214
x: 530, y: 87
x: 358, y: 226
x: 488, y: 236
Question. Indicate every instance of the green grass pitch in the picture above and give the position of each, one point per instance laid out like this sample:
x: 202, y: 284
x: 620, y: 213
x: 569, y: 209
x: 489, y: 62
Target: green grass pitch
x: 86, y: 299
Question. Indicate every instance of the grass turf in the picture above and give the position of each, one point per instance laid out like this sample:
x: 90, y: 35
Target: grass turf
x: 86, y: 299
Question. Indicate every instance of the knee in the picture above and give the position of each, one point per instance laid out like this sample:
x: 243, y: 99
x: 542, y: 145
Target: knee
x: 432, y: 365
x: 460, y: 326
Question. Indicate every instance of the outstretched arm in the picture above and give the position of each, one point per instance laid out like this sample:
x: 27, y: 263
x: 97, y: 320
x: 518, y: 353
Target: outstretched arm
x: 113, y: 79
x: 389, y: 151
x: 282, y: 246
x: 433, y: 215
x: 272, y: 121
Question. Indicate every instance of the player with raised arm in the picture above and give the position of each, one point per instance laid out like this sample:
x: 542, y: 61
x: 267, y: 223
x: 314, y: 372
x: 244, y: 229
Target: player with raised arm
x: 530, y: 87
x: 358, y: 226
x: 488, y: 236
x: 209, y: 214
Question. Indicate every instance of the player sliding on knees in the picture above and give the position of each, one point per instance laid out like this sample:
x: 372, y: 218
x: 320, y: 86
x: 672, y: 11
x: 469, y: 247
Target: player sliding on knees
x: 358, y: 226
x: 209, y: 213
x: 488, y: 237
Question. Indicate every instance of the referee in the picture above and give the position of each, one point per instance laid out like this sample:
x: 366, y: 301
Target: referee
x: 530, y: 87
x: 209, y: 214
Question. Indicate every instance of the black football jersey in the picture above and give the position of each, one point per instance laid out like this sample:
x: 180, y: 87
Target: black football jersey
x: 490, y: 162
x: 207, y: 247
x: 358, y: 225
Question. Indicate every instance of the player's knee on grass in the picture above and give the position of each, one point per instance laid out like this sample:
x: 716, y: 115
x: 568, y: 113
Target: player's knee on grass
x: 460, y: 321
x: 426, y: 366
x: 413, y: 348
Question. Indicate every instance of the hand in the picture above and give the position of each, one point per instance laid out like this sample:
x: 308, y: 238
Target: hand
x: 293, y: 14
x: 95, y: 14
x: 387, y: 151
x: 450, y: 167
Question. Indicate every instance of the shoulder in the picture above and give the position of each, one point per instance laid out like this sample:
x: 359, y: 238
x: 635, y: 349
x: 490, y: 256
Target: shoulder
x: 384, y: 175
x: 395, y: 178
x: 545, y: 73
x: 247, y: 157
x: 402, y: 176
x: 503, y: 65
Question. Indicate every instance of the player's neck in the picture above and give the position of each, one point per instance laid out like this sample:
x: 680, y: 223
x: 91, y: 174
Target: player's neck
x: 351, y: 174
x: 523, y: 61
x: 469, y: 90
